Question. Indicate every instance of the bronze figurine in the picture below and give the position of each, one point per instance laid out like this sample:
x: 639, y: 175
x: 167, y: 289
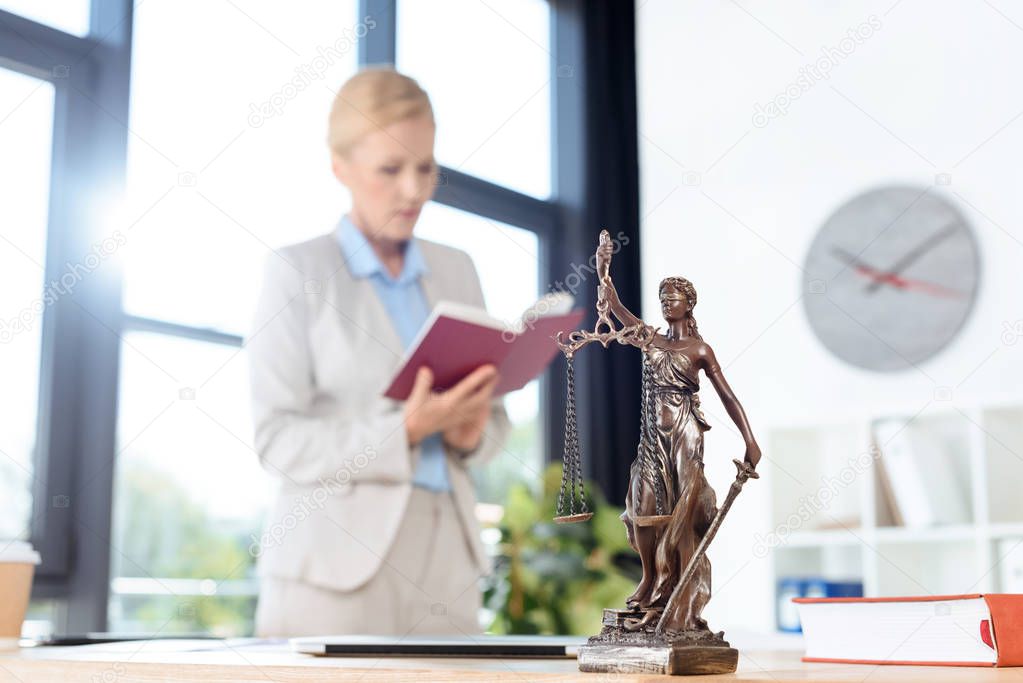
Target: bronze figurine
x: 671, y: 512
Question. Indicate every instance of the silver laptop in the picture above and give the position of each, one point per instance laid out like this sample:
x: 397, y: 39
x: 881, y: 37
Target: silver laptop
x: 440, y: 646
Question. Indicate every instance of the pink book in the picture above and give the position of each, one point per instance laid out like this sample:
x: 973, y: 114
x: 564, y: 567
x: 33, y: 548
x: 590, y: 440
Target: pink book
x: 458, y: 338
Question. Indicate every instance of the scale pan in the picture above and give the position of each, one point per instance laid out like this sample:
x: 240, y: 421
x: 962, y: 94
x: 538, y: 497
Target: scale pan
x: 569, y: 519
x: 651, y: 520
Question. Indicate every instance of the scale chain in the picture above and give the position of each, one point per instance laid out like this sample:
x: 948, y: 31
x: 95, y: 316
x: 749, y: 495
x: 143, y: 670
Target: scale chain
x: 570, y: 438
x: 650, y: 472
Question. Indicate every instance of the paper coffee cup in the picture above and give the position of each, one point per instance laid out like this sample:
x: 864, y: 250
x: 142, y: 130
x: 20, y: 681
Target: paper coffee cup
x: 17, y: 565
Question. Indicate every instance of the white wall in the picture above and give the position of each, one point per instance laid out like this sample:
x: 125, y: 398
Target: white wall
x: 935, y: 88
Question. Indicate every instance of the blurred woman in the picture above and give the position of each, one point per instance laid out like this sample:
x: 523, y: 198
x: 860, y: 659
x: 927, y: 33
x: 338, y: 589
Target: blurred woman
x: 373, y: 530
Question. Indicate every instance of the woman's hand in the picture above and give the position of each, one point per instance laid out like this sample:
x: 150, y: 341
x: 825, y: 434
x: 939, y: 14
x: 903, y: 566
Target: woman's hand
x: 460, y: 412
x: 466, y: 436
x: 753, y: 454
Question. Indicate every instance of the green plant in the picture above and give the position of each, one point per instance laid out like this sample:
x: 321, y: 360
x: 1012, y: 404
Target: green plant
x: 557, y: 578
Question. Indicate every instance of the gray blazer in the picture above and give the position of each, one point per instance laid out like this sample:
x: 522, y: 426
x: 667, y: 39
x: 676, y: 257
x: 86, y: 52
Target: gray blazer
x: 321, y: 351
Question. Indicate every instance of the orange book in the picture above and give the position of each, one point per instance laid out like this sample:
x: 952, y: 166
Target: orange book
x: 940, y: 630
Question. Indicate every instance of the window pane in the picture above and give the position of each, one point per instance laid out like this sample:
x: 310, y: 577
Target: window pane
x: 228, y: 156
x: 507, y: 261
x: 71, y: 16
x: 487, y: 68
x: 26, y: 113
x: 189, y: 494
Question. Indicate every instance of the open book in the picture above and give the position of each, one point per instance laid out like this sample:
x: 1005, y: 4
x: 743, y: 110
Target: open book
x: 458, y: 338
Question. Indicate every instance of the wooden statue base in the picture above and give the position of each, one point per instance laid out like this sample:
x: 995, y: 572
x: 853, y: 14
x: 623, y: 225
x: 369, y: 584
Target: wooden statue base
x: 617, y: 650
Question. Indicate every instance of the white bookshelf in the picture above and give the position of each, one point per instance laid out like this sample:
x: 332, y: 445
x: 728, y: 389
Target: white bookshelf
x: 854, y: 535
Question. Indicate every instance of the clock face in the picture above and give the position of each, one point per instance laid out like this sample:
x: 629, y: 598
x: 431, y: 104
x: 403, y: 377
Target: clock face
x: 890, y: 278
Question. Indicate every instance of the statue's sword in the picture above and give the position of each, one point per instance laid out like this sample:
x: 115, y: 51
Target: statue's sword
x: 745, y: 471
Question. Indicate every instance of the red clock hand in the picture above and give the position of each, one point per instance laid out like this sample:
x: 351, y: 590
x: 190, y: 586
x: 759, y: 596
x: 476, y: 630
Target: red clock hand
x: 899, y: 282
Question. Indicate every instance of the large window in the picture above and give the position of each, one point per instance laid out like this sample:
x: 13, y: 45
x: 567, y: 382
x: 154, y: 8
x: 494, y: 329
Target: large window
x: 189, y: 137
x: 26, y: 124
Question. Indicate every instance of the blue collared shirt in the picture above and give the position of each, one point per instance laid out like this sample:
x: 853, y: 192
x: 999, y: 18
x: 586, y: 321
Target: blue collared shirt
x: 408, y: 309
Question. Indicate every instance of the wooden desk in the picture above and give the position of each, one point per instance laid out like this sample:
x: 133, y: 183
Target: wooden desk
x: 153, y: 661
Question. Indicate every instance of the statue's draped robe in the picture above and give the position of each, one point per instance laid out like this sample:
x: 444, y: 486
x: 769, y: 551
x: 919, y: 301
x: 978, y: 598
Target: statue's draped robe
x: 677, y: 428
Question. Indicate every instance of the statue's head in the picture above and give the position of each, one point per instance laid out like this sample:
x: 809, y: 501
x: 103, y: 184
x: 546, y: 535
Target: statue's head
x: 678, y: 297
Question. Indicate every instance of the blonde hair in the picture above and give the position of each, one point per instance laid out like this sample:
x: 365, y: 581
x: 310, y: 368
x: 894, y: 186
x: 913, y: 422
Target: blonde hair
x: 370, y: 100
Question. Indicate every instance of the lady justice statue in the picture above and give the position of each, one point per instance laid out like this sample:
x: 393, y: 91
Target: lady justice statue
x: 671, y: 512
